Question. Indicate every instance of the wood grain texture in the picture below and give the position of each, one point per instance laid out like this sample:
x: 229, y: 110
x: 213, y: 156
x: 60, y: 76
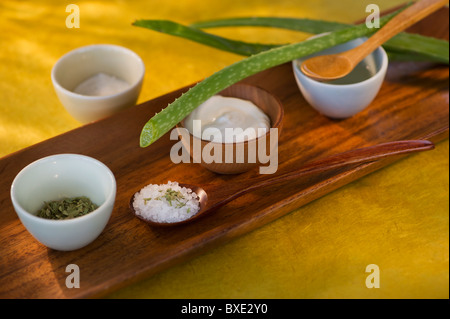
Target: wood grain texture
x: 412, y: 104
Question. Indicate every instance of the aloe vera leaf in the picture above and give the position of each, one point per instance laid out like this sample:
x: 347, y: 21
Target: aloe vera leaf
x: 426, y: 48
x: 297, y: 24
x: 407, y: 57
x: 218, y: 42
x: 162, y: 122
x: 176, y: 29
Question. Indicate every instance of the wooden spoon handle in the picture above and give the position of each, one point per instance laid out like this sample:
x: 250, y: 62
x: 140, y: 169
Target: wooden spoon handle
x: 362, y: 155
x: 400, y: 22
x: 219, y: 195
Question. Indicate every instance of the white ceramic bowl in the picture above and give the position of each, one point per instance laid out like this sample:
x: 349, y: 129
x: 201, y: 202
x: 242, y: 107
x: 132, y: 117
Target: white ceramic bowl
x: 343, y: 100
x: 58, y: 176
x: 79, y: 65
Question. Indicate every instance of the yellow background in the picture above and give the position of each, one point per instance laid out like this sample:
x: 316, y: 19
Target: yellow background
x: 396, y: 218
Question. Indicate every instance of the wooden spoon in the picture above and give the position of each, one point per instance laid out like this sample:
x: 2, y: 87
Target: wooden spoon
x: 213, y: 196
x: 335, y: 66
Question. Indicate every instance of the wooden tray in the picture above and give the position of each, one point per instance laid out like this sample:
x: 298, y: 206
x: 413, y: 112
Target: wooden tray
x: 412, y: 104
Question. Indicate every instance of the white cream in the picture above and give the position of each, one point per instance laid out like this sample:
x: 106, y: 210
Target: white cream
x: 101, y: 85
x: 221, y: 115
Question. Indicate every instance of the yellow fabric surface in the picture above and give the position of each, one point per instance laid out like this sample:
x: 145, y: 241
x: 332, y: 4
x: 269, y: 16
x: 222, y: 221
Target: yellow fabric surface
x: 396, y: 218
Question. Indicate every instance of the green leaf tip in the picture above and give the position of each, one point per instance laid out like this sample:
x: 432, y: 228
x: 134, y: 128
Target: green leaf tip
x: 148, y: 135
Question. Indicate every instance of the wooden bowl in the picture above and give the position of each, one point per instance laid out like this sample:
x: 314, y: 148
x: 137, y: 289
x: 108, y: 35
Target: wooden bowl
x: 240, y: 161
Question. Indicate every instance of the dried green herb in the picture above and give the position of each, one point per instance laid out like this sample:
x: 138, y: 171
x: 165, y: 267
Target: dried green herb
x: 67, y: 208
x: 171, y: 196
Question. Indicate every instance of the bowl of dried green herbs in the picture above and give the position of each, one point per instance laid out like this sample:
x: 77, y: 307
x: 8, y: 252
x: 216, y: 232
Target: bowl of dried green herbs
x: 64, y: 200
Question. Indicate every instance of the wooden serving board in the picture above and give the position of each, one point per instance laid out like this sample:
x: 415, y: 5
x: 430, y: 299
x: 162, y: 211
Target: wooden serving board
x: 412, y: 104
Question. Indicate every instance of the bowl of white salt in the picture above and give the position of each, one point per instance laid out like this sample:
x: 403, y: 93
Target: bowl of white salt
x: 96, y: 81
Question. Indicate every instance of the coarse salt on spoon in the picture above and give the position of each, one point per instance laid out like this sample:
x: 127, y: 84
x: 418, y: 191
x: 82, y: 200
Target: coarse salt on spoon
x: 213, y: 196
x: 336, y: 66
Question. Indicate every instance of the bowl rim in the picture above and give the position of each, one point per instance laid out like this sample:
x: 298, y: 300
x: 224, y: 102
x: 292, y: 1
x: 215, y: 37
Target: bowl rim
x: 383, y: 67
x: 277, y: 124
x: 92, y: 47
x: 110, y: 198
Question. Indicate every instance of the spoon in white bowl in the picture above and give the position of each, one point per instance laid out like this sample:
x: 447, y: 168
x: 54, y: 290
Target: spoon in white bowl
x: 335, y: 66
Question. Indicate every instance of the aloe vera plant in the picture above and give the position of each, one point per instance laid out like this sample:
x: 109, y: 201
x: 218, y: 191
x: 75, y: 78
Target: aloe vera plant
x: 403, y: 47
x: 162, y: 122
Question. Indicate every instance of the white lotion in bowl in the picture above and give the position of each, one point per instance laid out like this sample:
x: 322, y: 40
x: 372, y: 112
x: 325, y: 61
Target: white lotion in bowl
x: 85, y: 66
x: 220, y: 113
x: 101, y: 84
